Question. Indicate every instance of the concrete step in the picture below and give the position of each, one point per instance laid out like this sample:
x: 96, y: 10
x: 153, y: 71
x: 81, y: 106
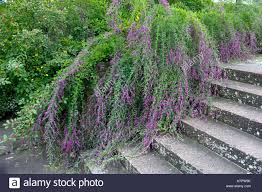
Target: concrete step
x: 90, y: 165
x: 229, y: 142
x: 247, y: 72
x: 111, y: 168
x: 243, y: 117
x: 142, y: 162
x: 190, y: 157
x: 240, y: 92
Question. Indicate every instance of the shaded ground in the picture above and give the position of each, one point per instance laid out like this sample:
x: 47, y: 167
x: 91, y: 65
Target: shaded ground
x: 34, y: 161
x: 21, y: 162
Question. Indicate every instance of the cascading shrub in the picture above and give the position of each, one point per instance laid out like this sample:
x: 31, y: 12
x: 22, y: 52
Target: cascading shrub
x: 234, y: 30
x: 138, y: 81
x: 150, y: 87
x: 61, y: 123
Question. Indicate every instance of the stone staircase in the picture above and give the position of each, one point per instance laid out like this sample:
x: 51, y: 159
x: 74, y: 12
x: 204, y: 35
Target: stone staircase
x: 228, y: 143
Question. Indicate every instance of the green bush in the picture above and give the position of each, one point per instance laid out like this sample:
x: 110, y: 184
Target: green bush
x: 146, y: 54
x: 246, y: 18
x: 148, y: 71
x: 235, y: 29
x: 194, y: 5
x: 38, y: 39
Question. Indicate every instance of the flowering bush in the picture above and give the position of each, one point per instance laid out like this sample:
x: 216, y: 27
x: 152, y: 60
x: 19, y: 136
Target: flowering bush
x: 141, y: 78
x: 234, y: 30
x: 147, y: 85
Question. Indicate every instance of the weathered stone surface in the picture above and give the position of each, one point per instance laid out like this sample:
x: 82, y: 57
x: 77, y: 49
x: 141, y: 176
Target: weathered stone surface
x: 91, y: 166
x: 3, y: 150
x: 246, y: 72
x: 240, y: 92
x: 243, y: 117
x: 231, y: 143
x: 142, y: 162
x: 190, y: 157
x: 111, y: 168
x: 24, y: 162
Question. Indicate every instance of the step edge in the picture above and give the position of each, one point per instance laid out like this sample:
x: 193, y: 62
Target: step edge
x: 247, y: 107
x: 196, y: 166
x: 217, y: 140
x: 230, y: 84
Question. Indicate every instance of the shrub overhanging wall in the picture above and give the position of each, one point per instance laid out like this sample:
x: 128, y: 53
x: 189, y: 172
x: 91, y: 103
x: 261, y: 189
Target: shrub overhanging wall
x: 143, y: 77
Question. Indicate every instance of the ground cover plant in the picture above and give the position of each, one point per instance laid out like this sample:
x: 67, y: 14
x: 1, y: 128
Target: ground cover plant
x: 136, y: 76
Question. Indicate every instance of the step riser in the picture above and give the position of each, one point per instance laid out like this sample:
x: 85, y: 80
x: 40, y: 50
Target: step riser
x: 240, y: 158
x: 243, y: 76
x: 239, y: 96
x: 129, y: 167
x: 175, y: 160
x: 242, y: 123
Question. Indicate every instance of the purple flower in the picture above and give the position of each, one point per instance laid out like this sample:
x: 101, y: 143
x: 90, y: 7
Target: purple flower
x: 194, y: 74
x: 139, y: 36
x: 127, y: 95
x: 165, y: 3
x: 174, y: 57
x: 133, y: 33
x: 233, y: 48
x: 251, y: 41
x: 205, y: 51
x: 147, y: 141
x: 61, y: 88
x: 224, y: 53
x: 69, y: 146
x: 116, y: 58
x: 116, y: 2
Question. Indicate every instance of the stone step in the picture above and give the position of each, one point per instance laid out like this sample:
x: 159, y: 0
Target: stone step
x: 229, y: 142
x: 190, y: 157
x: 247, y: 72
x: 240, y: 92
x: 243, y: 117
x: 90, y: 165
x: 112, y: 168
x: 138, y: 161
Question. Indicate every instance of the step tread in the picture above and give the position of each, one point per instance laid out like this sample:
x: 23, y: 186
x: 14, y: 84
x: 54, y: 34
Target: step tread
x: 242, y: 141
x: 110, y: 169
x: 147, y: 162
x: 198, y: 156
x: 239, y: 86
x: 242, y: 110
x: 253, y: 65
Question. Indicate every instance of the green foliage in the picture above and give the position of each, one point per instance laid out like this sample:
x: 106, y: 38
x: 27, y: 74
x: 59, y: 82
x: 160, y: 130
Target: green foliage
x: 234, y: 25
x: 80, y: 86
x: 132, y: 79
x: 22, y: 125
x: 142, y: 71
x: 246, y: 18
x: 84, y: 18
x: 38, y: 39
x: 218, y: 25
x: 194, y: 5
